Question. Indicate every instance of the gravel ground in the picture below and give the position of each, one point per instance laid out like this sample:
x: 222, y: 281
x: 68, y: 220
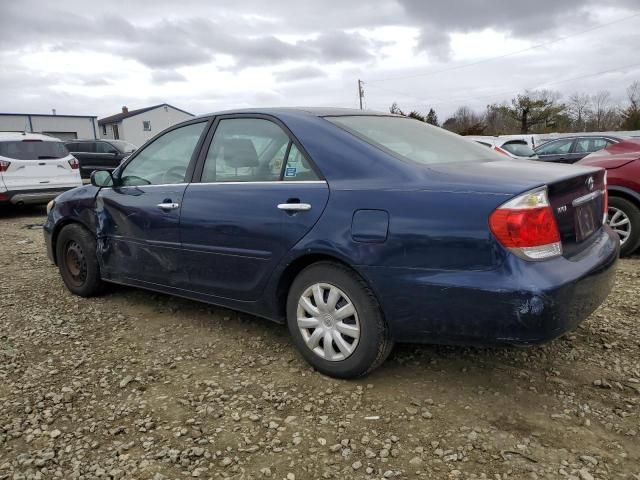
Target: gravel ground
x: 139, y: 385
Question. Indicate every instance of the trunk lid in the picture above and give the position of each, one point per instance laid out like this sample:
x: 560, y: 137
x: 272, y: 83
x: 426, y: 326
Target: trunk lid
x: 577, y: 202
x: 578, y: 205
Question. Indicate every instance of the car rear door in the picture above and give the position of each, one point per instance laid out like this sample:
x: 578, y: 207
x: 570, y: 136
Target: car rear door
x: 258, y: 195
x: 138, y: 218
x: 36, y: 165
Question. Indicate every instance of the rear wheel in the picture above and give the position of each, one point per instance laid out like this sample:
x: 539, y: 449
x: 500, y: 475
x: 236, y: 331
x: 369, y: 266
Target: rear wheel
x: 77, y: 262
x: 335, y: 321
x: 624, y: 218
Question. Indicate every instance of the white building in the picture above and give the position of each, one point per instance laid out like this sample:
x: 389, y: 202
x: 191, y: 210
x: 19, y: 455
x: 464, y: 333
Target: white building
x: 64, y: 127
x: 138, y: 126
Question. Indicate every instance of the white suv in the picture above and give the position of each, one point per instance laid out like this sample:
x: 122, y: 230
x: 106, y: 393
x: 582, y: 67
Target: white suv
x: 35, y: 168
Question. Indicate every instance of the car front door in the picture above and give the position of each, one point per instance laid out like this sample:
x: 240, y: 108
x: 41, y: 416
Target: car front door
x: 138, y: 218
x: 259, y: 194
x: 556, y: 151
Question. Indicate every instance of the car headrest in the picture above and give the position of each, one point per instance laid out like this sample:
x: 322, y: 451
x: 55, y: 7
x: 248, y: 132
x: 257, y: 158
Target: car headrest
x: 240, y: 152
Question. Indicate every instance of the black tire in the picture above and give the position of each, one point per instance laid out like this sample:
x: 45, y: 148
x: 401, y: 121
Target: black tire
x: 633, y: 214
x: 374, y: 343
x: 77, y: 262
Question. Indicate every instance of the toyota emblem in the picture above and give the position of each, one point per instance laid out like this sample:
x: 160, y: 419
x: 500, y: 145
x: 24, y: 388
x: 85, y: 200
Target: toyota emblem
x: 589, y: 183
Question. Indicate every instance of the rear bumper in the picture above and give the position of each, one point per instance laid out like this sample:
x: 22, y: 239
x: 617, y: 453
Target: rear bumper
x: 519, y: 303
x: 32, y: 197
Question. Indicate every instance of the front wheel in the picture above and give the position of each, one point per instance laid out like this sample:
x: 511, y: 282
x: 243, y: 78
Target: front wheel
x: 77, y: 262
x: 335, y: 321
x: 624, y: 218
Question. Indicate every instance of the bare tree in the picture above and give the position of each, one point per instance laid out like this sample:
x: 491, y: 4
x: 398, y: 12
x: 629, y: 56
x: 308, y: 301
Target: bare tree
x: 579, y: 108
x: 601, y: 102
x: 465, y: 122
x: 631, y: 114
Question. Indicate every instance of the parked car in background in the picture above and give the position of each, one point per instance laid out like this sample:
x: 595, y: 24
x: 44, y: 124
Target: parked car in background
x: 357, y: 229
x: 571, y: 149
x: 99, y: 154
x: 34, y: 168
x: 512, y: 148
x: 622, y: 162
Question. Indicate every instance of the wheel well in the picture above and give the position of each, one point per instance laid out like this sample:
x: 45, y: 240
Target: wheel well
x: 56, y: 232
x: 625, y: 195
x: 292, y: 271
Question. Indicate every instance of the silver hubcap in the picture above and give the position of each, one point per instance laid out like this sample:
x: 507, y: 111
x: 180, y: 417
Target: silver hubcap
x: 328, y: 322
x: 620, y: 223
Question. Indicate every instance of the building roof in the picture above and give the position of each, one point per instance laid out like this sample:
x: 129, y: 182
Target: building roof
x: 131, y: 113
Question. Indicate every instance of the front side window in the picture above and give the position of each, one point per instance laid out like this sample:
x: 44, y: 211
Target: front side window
x: 555, y: 148
x: 246, y: 150
x: 414, y: 140
x: 165, y: 160
x: 104, y: 147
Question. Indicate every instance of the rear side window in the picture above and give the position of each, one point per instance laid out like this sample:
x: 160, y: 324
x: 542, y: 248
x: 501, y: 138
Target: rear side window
x: 33, y: 150
x: 414, y: 140
x: 555, y: 148
x: 298, y: 168
x: 246, y: 150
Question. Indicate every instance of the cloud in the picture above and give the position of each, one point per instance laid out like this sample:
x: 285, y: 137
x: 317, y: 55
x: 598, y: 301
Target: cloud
x: 539, y: 19
x: 166, y: 76
x: 297, y: 74
x: 61, y: 54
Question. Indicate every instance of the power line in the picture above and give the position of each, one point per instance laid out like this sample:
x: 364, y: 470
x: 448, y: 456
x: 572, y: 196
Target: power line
x: 510, y: 92
x: 490, y: 59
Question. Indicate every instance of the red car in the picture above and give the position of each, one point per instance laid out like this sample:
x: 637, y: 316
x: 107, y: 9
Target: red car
x: 622, y: 162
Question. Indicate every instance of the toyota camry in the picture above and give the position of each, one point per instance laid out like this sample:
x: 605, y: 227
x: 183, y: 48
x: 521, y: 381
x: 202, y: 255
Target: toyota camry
x: 357, y: 229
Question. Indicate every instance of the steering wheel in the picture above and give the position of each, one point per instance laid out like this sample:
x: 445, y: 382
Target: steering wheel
x: 174, y: 173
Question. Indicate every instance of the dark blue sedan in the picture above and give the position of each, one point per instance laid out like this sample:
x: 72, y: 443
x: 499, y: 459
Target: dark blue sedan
x: 358, y: 229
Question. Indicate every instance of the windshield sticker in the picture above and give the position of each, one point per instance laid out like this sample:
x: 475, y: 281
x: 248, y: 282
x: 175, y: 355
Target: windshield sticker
x: 290, y: 172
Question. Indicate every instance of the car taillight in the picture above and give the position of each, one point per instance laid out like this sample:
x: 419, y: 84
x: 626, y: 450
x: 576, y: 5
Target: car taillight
x: 605, y: 200
x: 4, y: 165
x: 74, y: 164
x: 527, y: 227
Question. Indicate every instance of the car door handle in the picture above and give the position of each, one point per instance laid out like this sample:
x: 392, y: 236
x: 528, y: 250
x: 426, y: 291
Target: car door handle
x: 168, y: 206
x: 294, y: 207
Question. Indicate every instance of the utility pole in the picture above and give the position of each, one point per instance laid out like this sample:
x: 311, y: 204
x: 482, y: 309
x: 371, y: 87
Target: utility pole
x: 360, y: 91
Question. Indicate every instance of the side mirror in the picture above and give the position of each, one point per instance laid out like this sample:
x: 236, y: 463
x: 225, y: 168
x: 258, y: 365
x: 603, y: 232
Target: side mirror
x: 101, y: 178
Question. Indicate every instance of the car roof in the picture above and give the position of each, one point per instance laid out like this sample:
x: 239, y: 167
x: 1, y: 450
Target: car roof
x: 312, y: 111
x: 19, y: 136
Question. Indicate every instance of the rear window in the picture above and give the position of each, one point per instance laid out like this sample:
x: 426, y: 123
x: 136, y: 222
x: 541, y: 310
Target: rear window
x: 414, y: 140
x: 519, y: 149
x: 32, y: 150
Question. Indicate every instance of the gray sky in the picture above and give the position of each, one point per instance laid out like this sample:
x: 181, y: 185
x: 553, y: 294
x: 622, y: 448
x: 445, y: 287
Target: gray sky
x: 84, y: 57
